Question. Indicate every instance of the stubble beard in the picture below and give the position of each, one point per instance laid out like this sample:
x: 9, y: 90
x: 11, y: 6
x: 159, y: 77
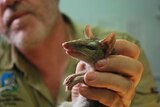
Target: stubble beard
x: 30, y: 33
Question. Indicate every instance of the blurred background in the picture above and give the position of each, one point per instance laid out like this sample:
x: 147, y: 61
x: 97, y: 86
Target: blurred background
x: 139, y: 18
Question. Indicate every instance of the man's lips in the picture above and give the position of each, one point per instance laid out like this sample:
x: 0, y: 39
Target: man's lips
x: 15, y: 16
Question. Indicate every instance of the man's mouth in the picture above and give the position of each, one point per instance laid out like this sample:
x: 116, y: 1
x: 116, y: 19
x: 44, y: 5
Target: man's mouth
x: 15, y: 16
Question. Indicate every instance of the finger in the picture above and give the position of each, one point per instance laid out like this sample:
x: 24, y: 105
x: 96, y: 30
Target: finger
x: 75, y: 92
x: 122, y: 65
x: 110, y: 81
x: 104, y: 96
x: 80, y: 67
x: 124, y: 47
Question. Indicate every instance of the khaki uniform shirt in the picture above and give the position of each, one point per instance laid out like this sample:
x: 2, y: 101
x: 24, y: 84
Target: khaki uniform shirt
x: 22, y: 86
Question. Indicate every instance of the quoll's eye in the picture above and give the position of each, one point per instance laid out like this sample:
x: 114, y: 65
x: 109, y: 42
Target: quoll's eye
x: 90, y: 47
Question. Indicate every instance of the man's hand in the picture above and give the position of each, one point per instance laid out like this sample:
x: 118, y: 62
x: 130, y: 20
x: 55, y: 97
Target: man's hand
x: 115, y: 79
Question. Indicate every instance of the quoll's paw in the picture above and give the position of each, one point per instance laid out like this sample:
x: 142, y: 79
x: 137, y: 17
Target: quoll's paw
x: 73, y: 79
x: 69, y: 79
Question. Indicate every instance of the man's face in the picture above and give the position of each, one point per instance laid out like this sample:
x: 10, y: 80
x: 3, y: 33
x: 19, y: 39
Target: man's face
x: 27, y: 22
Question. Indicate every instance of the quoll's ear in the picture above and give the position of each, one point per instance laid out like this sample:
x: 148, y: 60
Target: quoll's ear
x: 88, y: 33
x: 109, y: 41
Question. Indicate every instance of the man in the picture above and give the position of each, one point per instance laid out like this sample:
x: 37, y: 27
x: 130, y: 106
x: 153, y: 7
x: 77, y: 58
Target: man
x: 30, y: 51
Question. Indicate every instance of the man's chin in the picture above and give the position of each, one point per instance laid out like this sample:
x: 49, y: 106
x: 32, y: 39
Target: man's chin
x: 26, y: 34
x: 21, y: 39
x: 25, y: 45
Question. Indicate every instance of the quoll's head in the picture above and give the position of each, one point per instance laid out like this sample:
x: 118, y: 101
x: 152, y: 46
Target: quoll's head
x: 88, y: 50
x: 91, y: 49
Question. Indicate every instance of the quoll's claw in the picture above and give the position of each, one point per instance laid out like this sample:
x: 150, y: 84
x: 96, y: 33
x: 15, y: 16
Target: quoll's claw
x: 68, y: 80
x: 73, y: 79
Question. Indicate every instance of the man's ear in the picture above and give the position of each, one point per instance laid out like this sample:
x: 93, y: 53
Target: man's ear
x: 109, y: 41
x: 88, y: 33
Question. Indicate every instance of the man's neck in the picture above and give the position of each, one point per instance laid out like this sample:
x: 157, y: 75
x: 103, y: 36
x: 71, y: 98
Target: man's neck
x: 49, y: 57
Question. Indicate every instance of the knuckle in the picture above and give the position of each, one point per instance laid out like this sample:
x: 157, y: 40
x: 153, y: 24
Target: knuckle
x: 116, y: 101
x: 137, y: 67
x: 130, y: 86
x: 128, y: 89
x: 127, y: 98
x: 140, y: 67
x: 132, y: 95
x: 134, y: 51
x: 114, y: 98
x: 137, y: 51
x: 139, y: 71
x: 131, y: 49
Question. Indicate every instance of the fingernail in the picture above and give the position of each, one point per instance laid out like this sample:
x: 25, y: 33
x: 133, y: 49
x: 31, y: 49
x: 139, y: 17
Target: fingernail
x: 91, y: 76
x: 100, y: 63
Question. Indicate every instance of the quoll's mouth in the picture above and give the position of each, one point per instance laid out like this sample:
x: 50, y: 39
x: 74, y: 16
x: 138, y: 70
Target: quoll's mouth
x: 70, y: 50
x: 66, y: 46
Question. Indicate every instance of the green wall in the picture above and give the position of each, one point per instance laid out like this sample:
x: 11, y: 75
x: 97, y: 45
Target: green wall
x: 140, y: 18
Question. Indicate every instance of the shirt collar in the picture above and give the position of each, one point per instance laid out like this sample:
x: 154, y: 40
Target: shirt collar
x: 33, y: 78
x: 30, y: 73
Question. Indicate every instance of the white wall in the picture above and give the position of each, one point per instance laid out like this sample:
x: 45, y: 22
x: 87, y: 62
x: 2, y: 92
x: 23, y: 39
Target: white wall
x: 140, y: 18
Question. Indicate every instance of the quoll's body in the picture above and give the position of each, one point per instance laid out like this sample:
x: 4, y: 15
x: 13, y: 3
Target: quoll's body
x: 89, y: 50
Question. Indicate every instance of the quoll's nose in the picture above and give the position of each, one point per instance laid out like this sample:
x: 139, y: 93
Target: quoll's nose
x: 68, y: 45
x: 65, y: 45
